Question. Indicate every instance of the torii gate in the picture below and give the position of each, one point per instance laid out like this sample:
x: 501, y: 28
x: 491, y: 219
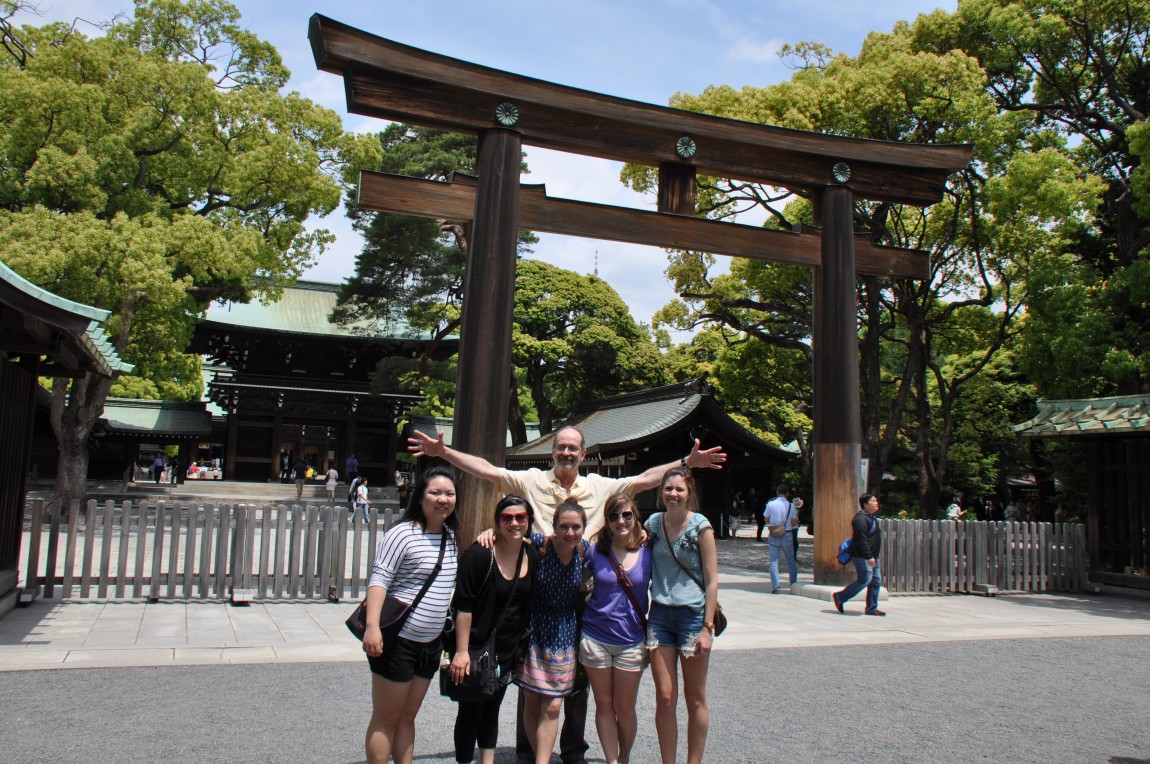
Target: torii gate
x: 397, y: 82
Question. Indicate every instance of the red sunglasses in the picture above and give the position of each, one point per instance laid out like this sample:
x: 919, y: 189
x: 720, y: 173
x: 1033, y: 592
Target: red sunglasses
x: 513, y: 517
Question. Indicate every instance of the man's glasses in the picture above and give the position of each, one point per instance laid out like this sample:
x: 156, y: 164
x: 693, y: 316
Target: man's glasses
x: 615, y: 517
x: 513, y: 517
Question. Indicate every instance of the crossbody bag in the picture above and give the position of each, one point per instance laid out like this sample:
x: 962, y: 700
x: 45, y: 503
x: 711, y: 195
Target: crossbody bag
x: 484, y: 679
x: 720, y: 618
x: 395, y: 611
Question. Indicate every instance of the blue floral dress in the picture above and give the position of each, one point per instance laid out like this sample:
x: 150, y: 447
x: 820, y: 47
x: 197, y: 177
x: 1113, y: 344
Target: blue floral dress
x: 549, y: 666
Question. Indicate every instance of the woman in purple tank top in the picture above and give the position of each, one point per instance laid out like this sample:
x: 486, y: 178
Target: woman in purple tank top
x: 613, y: 646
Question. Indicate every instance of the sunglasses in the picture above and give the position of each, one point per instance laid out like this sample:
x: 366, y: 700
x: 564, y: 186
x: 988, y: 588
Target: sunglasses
x: 513, y: 517
x: 615, y: 517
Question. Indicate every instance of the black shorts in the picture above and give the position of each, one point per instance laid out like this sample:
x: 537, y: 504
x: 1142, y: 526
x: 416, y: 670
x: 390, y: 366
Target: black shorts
x: 405, y: 660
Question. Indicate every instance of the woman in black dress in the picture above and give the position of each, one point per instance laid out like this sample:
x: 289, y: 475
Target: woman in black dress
x: 487, y: 579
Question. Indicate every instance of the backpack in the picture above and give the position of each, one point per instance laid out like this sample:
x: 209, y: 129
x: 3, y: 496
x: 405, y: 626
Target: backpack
x: 351, y: 489
x: 845, y: 548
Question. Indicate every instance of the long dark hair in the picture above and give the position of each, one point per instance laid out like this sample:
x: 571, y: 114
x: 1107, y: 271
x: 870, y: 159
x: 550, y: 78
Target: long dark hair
x: 685, y: 473
x: 414, y: 511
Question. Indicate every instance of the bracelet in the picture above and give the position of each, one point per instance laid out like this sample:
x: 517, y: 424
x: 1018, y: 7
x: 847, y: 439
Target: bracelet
x: 683, y: 462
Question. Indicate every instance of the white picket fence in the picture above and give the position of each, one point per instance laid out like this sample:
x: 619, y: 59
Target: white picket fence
x: 947, y: 556
x: 180, y: 551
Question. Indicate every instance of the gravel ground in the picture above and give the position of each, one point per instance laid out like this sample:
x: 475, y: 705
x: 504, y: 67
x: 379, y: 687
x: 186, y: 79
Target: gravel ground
x: 745, y: 552
x: 1038, y: 700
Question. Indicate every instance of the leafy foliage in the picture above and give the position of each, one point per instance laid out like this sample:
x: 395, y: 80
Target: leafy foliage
x: 153, y: 170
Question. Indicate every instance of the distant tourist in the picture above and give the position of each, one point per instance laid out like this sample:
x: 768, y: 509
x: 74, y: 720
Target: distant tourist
x: 300, y: 475
x: 330, y: 481
x: 362, y: 502
x: 781, y: 517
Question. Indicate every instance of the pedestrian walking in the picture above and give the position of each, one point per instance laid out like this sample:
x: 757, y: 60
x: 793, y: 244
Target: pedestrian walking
x: 866, y: 543
x: 781, y: 516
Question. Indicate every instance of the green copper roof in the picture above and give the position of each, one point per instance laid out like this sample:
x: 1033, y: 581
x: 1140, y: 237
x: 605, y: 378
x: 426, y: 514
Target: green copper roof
x: 1117, y: 415
x: 159, y: 417
x: 304, y: 309
x: 82, y: 324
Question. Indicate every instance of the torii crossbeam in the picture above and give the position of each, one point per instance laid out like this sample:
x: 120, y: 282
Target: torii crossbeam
x: 397, y: 82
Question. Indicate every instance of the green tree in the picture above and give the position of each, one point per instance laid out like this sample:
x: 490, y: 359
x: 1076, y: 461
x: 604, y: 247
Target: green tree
x: 899, y: 89
x: 1078, y: 69
x: 151, y: 171
x: 575, y: 340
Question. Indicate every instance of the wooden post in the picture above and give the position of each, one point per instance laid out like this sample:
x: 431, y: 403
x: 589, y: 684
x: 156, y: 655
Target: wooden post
x: 677, y: 188
x: 837, y: 413
x: 485, y: 331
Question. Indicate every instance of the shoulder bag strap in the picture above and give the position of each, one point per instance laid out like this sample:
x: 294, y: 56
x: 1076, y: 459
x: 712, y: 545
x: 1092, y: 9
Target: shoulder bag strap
x: 434, y: 573
x: 625, y: 583
x: 663, y: 527
x: 515, y: 583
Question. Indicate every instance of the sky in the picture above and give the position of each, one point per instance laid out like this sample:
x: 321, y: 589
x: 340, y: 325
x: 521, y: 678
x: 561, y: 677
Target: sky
x: 645, y: 50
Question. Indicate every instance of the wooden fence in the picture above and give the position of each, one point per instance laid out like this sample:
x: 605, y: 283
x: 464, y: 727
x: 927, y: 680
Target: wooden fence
x: 231, y: 551
x: 947, y: 556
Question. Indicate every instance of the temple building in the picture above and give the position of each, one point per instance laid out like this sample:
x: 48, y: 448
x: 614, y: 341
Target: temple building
x: 292, y: 384
x: 1115, y: 433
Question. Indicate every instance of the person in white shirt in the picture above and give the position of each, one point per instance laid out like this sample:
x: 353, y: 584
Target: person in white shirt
x: 781, y: 517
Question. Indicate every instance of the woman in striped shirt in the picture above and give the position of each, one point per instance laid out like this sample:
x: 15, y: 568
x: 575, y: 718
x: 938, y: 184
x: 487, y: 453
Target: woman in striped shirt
x: 405, y: 559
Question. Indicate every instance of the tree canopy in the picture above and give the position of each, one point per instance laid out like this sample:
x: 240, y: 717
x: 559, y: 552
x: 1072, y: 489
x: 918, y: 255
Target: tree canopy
x: 152, y: 170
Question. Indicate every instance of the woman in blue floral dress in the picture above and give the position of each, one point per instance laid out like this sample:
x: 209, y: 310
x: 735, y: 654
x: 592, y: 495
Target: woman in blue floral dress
x: 547, y: 673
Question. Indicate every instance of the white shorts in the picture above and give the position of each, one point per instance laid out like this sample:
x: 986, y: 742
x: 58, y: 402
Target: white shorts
x: 596, y: 655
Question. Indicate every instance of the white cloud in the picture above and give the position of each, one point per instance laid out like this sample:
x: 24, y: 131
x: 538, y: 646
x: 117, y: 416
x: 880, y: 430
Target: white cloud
x: 755, y: 51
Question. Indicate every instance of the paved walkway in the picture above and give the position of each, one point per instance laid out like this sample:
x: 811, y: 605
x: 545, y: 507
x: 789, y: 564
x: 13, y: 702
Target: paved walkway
x: 88, y: 634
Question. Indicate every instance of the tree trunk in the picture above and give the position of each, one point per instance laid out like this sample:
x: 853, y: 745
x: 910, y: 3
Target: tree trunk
x: 515, y: 421
x: 76, y: 406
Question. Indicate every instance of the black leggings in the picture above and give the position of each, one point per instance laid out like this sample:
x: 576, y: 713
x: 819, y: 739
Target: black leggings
x: 477, y: 723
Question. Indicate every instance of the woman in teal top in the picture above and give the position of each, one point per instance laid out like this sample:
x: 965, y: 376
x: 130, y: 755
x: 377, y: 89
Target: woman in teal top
x: 681, y: 626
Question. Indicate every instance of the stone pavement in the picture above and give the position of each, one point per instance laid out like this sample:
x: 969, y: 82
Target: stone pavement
x: 51, y: 634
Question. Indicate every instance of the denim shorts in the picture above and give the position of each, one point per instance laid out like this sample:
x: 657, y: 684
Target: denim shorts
x: 674, y: 626
x: 403, y: 660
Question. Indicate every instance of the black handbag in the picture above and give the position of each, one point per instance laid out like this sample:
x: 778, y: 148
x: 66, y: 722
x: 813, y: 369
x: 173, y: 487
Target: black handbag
x: 484, y: 678
x: 395, y: 611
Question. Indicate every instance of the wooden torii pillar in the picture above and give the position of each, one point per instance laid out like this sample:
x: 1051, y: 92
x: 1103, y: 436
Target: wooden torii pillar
x: 506, y: 111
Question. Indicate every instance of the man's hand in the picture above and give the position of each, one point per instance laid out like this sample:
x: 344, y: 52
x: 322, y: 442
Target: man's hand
x: 711, y: 458
x: 425, y: 445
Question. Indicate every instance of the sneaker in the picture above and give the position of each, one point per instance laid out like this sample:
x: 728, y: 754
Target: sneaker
x: 838, y: 605
x: 774, y: 591
x: 875, y: 612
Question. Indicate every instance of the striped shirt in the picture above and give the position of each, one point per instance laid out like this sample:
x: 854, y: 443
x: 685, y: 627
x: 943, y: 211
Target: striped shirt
x: 405, y: 558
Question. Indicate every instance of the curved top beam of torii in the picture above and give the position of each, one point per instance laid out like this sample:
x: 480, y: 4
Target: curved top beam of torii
x: 398, y: 82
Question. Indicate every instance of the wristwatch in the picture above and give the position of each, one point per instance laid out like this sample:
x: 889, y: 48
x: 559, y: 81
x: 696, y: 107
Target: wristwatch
x: 709, y: 626
x: 683, y: 461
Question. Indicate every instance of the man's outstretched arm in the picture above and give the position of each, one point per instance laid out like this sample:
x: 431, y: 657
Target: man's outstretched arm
x: 425, y: 445
x: 709, y: 459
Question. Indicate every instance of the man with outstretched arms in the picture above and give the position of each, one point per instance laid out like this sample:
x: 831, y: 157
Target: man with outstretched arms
x: 547, y: 489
